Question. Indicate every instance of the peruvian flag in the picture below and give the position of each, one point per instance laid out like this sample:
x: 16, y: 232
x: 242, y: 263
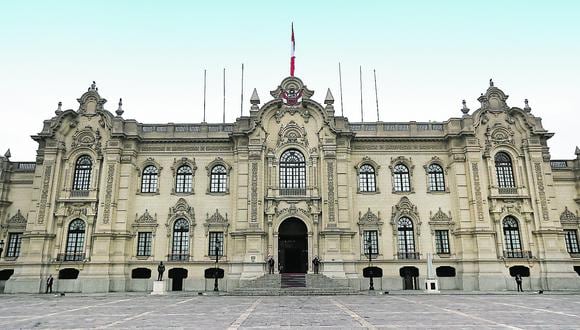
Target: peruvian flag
x: 292, y: 57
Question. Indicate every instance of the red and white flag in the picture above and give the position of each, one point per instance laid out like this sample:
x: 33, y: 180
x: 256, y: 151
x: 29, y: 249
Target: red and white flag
x: 292, y: 57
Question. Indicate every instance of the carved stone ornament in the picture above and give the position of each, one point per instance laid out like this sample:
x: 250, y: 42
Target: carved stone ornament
x: 368, y: 217
x: 440, y: 216
x: 87, y: 138
x: 405, y: 209
x: 292, y: 210
x: 182, y: 210
x: 499, y: 135
x: 292, y: 134
x: 146, y: 217
x: 568, y: 216
x: 17, y: 219
x: 494, y: 100
x: 292, y: 90
x: 216, y: 218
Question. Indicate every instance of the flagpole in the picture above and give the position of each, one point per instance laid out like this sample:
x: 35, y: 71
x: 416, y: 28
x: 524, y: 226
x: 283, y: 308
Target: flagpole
x: 376, y: 94
x: 292, y: 57
x: 204, y: 90
x: 361, y: 95
x: 224, y: 113
x: 242, y: 94
x: 340, y: 84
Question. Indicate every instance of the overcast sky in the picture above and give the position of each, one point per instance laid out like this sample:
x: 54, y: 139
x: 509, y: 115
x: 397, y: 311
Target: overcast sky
x: 428, y: 56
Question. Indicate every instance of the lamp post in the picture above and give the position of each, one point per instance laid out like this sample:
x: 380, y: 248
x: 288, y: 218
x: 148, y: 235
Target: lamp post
x: 1, y: 248
x: 215, y: 273
x: 369, y: 245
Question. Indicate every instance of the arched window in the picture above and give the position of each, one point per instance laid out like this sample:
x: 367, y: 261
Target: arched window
x: 82, y: 177
x: 401, y: 178
x: 149, y: 179
x: 511, y: 232
x: 505, y: 173
x: 366, y: 178
x: 180, y: 247
x: 406, y: 239
x: 75, y: 241
x: 183, y: 179
x: 219, y: 179
x: 436, y: 178
x: 292, y: 170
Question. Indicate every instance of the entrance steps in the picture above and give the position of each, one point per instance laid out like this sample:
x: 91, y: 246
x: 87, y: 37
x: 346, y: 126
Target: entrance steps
x: 293, y: 285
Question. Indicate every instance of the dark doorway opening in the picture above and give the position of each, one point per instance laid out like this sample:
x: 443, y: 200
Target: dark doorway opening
x: 293, y: 246
x: 177, y: 275
x: 410, y: 277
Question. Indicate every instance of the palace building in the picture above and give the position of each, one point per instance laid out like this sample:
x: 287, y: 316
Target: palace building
x: 108, y: 198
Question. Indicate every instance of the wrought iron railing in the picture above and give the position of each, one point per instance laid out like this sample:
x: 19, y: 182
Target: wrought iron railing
x: 409, y: 255
x: 79, y: 193
x: 292, y: 191
x: 70, y: 257
x: 178, y: 257
x: 516, y: 254
x: 508, y: 190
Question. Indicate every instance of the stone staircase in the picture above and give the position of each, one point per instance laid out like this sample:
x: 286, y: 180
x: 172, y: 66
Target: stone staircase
x: 293, y: 285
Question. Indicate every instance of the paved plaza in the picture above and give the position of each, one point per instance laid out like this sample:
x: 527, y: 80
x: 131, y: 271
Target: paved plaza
x: 132, y: 310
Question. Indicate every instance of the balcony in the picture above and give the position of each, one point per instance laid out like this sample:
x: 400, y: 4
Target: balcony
x: 292, y: 191
x: 517, y: 254
x: 178, y: 257
x: 79, y: 193
x: 408, y: 255
x: 507, y: 190
x: 67, y: 257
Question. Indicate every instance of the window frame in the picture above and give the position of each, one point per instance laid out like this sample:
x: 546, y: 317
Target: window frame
x: 218, y: 181
x: 82, y: 173
x: 149, y: 180
x: 75, y: 240
x: 14, y: 245
x: 184, y: 180
x: 512, y: 235
x: 144, y: 243
x: 407, y: 233
x: 215, y: 237
x: 401, y: 178
x: 572, y: 245
x: 504, y: 170
x: 180, y: 238
x: 367, y: 180
x: 292, y: 173
x: 436, y: 178
x: 374, y: 236
x: 442, y: 244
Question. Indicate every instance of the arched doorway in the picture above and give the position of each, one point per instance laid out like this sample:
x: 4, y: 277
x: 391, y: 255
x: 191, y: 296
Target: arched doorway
x: 293, y: 246
x: 177, y: 275
x: 410, y: 277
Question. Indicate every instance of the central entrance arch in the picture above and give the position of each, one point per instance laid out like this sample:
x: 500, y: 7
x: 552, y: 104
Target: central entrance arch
x: 293, y: 246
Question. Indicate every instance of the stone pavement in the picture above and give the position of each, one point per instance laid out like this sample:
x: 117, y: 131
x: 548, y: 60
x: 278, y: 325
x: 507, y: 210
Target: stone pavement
x: 138, y: 310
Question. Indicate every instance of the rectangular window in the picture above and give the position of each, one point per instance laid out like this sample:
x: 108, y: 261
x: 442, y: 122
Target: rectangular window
x: 372, y: 237
x: 442, y: 241
x: 144, y: 244
x: 216, y: 242
x: 572, y: 241
x: 14, y: 242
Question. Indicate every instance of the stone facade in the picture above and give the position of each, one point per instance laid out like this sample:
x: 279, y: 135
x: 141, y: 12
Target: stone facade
x: 175, y: 192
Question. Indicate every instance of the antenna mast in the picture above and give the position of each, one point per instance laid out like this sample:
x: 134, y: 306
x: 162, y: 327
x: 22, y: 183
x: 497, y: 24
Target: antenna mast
x: 242, y: 94
x: 376, y: 94
x: 224, y: 112
x: 204, y: 89
x: 340, y: 83
x: 361, y: 95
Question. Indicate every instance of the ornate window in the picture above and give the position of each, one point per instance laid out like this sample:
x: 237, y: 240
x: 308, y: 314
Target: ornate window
x: 442, y: 241
x: 406, y: 238
x: 149, y: 179
x: 436, y: 178
x: 505, y: 173
x: 370, y: 240
x: 144, y: 244
x: 366, y: 178
x: 511, y: 232
x: 180, y: 247
x: 571, y: 241
x: 292, y: 170
x: 216, y: 242
x: 14, y: 242
x: 401, y: 180
x: 184, y: 178
x: 82, y: 176
x: 75, y: 241
x: 219, y: 179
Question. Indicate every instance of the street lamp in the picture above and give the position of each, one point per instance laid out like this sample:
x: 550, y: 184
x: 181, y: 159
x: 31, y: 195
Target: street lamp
x: 215, y: 273
x: 1, y: 247
x: 369, y: 245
